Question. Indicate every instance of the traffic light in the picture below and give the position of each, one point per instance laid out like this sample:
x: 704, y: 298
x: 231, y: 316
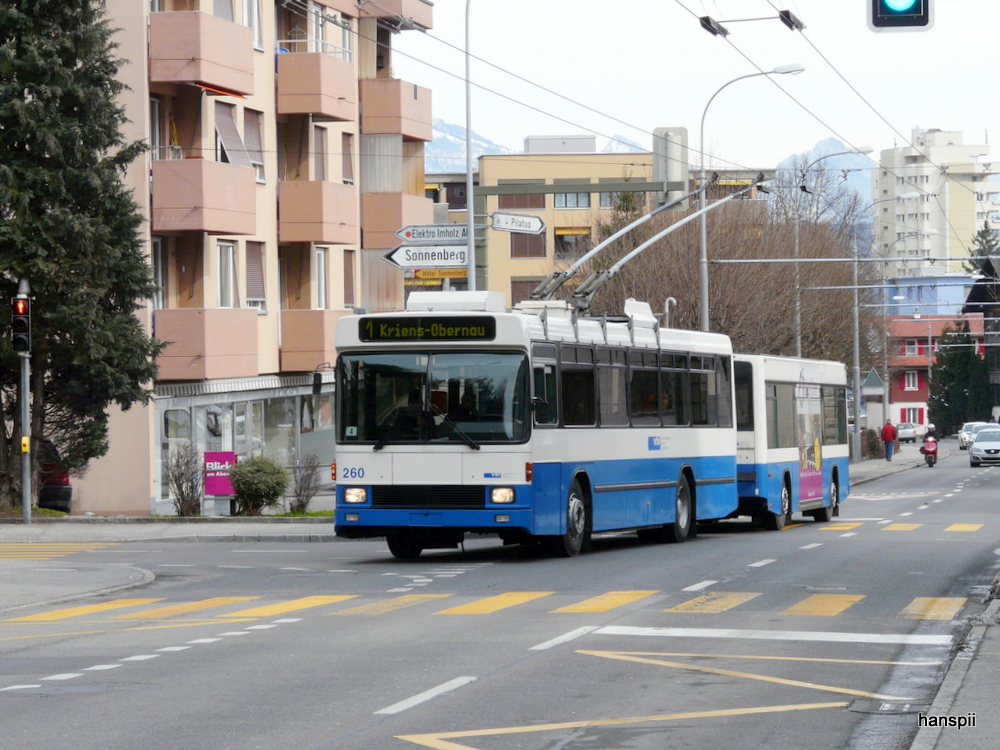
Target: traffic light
x: 900, y: 15
x: 20, y: 328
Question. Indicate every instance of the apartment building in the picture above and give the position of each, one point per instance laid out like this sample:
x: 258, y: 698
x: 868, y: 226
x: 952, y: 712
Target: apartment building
x: 283, y: 157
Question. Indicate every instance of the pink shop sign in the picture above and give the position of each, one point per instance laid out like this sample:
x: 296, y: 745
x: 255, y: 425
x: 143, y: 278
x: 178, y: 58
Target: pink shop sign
x: 217, y: 466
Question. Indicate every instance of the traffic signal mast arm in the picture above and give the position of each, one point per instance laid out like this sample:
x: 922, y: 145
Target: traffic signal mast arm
x: 556, y: 279
x: 584, y: 293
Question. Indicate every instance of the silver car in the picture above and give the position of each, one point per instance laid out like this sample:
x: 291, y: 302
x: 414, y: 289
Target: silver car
x: 965, y: 434
x: 985, y: 447
x: 906, y: 432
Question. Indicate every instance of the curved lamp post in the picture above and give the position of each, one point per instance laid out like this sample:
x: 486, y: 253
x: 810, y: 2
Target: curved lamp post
x: 470, y: 203
x: 792, y: 68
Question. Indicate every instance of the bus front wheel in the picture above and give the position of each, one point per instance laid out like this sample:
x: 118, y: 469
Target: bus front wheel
x: 403, y: 546
x: 680, y: 529
x: 777, y: 521
x: 572, y: 542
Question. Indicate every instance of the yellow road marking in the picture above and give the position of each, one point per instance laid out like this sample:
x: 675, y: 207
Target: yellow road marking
x: 823, y: 605
x: 605, y: 602
x: 390, y: 605
x: 46, y: 551
x: 495, y: 603
x: 965, y: 527
x: 843, y: 526
x: 934, y: 608
x: 65, y: 614
x: 713, y: 603
x: 439, y: 740
x: 902, y: 526
x: 181, y: 609
x: 306, y: 602
x: 625, y: 656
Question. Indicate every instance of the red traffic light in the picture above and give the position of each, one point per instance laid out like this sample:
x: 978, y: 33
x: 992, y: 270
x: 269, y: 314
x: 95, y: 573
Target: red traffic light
x: 20, y: 306
x: 20, y: 324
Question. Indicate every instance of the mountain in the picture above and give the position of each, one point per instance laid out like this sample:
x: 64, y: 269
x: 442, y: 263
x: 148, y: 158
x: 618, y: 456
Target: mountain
x: 446, y: 153
x: 619, y: 144
x: 856, y: 167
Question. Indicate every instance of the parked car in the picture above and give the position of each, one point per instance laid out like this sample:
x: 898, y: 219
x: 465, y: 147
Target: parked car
x: 985, y: 447
x: 965, y: 435
x: 55, y: 491
x: 906, y: 432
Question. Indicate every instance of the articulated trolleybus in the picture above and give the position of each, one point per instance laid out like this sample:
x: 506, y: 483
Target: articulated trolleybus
x: 791, y: 432
x: 534, y: 424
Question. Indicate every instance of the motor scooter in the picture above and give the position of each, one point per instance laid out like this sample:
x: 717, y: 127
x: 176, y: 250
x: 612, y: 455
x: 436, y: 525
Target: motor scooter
x: 929, y: 449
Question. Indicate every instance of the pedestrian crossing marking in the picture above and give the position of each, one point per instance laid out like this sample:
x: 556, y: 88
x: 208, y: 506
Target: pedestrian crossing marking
x: 965, y: 527
x: 713, y: 603
x: 306, y: 602
x: 934, y: 608
x: 902, y: 526
x: 390, y: 605
x: 823, y: 605
x: 46, y: 551
x: 605, y: 602
x: 89, y: 609
x: 842, y: 526
x: 495, y: 603
x: 185, y: 608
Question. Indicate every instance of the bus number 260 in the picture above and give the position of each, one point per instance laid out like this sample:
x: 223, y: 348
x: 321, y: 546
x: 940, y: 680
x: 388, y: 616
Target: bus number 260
x: 353, y: 472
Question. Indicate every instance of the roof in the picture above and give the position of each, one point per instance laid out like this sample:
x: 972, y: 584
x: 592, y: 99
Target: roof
x: 908, y: 327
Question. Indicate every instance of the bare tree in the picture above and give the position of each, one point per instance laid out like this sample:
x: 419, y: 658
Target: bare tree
x: 184, y: 472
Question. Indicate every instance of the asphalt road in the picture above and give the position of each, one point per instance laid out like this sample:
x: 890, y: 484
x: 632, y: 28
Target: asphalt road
x: 822, y: 635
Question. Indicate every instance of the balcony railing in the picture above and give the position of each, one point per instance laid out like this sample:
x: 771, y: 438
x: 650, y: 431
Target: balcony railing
x: 207, y: 343
x: 196, y: 47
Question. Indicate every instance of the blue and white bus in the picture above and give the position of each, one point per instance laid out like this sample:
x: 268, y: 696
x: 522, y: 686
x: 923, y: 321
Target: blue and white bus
x: 535, y: 424
x: 791, y: 433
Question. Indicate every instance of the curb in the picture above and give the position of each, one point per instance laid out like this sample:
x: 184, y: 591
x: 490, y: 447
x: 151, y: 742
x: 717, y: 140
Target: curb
x: 146, y: 577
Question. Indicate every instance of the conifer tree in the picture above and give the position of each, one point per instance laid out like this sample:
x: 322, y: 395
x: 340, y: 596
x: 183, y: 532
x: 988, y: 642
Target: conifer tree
x: 70, y: 226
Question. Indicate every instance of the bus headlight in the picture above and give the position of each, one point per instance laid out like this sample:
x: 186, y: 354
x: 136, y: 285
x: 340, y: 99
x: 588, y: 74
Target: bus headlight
x: 355, y: 495
x: 502, y: 495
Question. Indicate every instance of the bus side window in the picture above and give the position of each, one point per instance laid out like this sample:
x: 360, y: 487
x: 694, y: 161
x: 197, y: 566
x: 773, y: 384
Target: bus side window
x: 545, y: 391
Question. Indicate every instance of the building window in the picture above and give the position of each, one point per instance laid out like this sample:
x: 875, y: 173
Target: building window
x: 527, y: 245
x: 159, y: 263
x: 911, y: 348
x: 155, y: 130
x: 912, y: 382
x: 227, y: 274
x: 319, y: 153
x: 229, y: 146
x: 347, y: 157
x: 256, y: 296
x: 571, y: 242
x: 346, y: 39
x: 532, y: 200
x: 348, y: 278
x: 253, y: 131
x: 520, y: 290
x: 321, y: 288
x: 251, y: 19
x: 572, y: 200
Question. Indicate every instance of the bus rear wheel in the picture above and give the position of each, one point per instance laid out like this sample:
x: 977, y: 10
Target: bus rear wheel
x: 825, y: 515
x: 681, y: 528
x: 777, y: 521
x: 573, y: 541
x: 403, y: 546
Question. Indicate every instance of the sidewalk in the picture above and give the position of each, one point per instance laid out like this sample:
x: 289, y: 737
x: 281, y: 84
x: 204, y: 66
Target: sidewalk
x: 970, y: 690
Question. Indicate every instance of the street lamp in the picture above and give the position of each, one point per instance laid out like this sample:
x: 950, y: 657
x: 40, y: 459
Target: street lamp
x: 792, y: 68
x: 470, y: 203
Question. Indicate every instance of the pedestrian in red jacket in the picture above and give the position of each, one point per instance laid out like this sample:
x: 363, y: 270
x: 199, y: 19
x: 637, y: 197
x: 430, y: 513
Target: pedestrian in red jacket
x: 889, y: 438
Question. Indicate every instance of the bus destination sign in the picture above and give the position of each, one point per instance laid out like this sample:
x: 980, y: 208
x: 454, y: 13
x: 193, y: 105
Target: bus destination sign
x: 409, y: 328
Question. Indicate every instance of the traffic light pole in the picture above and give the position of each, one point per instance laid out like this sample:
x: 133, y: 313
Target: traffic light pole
x: 26, y: 436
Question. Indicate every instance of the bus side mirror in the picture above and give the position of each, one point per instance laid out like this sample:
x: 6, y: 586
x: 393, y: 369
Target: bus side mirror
x: 541, y: 408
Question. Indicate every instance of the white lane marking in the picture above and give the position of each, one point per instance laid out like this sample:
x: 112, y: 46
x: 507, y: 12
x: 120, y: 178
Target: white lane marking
x: 761, y: 563
x: 235, y: 632
x: 174, y: 648
x: 565, y: 637
x: 140, y: 657
x: 780, y: 635
x: 850, y: 533
x: 888, y: 520
x: 166, y: 565
x: 261, y: 627
x: 906, y: 514
x: 285, y: 620
x: 64, y: 676
x: 936, y: 501
x: 205, y: 640
x: 20, y: 687
x: 700, y: 586
x: 814, y: 545
x: 427, y: 695
x: 101, y: 667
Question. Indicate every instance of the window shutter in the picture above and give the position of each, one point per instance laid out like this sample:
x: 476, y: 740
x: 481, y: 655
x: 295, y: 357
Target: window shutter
x: 920, y: 416
x: 254, y: 142
x: 225, y: 126
x: 255, y: 270
x: 224, y: 9
x: 319, y: 157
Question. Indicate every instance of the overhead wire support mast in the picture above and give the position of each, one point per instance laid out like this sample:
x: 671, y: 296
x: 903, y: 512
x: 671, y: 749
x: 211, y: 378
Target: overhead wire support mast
x: 556, y: 279
x: 585, y: 292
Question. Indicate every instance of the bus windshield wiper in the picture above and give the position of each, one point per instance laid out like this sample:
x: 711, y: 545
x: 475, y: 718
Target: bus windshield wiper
x: 458, y: 430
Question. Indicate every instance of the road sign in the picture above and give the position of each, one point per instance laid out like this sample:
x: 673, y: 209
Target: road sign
x: 527, y: 223
x: 428, y: 256
x: 441, y: 273
x: 434, y: 234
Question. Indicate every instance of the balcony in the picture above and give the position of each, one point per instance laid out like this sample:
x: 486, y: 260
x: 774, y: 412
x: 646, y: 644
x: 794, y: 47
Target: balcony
x: 207, y: 343
x: 317, y: 84
x: 391, y: 107
x: 418, y: 11
x: 196, y: 47
x: 307, y: 338
x: 197, y: 195
x: 385, y: 213
x: 317, y: 211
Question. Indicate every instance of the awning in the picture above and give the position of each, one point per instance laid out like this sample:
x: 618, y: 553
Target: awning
x: 216, y: 91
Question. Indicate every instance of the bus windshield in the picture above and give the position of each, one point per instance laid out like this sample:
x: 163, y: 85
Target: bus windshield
x: 433, y: 397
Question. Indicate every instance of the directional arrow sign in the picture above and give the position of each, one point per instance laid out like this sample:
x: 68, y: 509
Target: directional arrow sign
x: 428, y: 256
x: 527, y: 223
x: 434, y: 234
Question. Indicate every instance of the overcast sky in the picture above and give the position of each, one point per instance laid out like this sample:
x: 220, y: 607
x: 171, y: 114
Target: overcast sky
x: 642, y: 64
